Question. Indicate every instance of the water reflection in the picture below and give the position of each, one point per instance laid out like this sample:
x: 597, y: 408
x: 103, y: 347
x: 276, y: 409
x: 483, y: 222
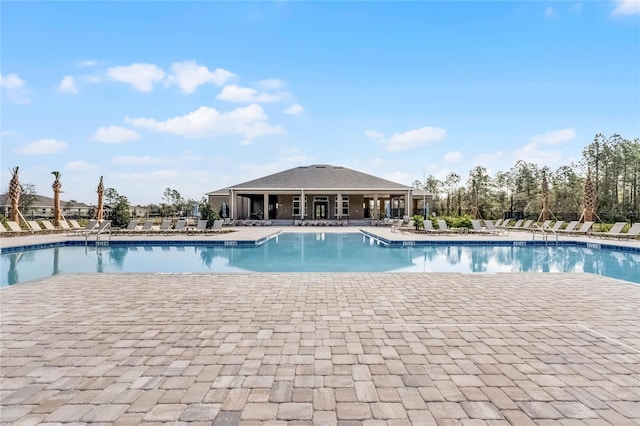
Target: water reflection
x: 318, y: 252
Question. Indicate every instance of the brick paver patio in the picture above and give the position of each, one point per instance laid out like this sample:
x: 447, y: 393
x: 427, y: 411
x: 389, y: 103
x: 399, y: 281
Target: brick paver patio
x: 349, y: 349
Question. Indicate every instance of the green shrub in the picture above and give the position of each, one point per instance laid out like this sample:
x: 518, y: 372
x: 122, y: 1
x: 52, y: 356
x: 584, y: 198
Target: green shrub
x: 418, y: 221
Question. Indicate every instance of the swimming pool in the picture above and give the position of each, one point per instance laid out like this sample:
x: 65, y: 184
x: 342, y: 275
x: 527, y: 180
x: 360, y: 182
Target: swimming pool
x: 316, y: 252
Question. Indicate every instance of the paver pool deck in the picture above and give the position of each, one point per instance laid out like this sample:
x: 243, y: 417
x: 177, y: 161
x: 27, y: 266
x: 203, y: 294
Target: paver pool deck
x: 321, y: 348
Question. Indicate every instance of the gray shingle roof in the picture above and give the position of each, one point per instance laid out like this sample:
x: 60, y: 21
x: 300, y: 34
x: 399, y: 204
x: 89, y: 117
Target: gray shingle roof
x: 320, y: 176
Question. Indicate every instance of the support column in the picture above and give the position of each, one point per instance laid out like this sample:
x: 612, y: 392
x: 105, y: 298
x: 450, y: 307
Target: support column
x: 339, y: 203
x: 376, y: 207
x: 265, y: 209
x: 232, y: 206
x: 302, y: 205
x: 408, y: 205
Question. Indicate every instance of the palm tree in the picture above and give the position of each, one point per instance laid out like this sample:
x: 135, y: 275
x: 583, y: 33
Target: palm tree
x: 14, y: 195
x: 100, y: 209
x: 57, y: 186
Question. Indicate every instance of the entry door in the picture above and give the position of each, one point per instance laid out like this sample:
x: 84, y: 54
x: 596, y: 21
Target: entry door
x: 321, y: 209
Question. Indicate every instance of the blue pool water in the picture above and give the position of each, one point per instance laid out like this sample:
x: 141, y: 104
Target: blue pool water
x: 316, y: 252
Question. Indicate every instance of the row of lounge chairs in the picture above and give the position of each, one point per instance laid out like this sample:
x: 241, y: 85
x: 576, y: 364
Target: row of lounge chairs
x: 168, y: 227
x: 503, y: 227
x: 71, y: 227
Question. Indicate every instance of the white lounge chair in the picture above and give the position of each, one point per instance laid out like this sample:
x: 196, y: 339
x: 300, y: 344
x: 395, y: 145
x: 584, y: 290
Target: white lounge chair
x: 14, y: 227
x: 91, y: 225
x: 494, y: 229
x: 180, y: 225
x: 477, y: 228
x: 633, y: 232
x: 615, y: 229
x: 48, y: 226
x: 201, y: 227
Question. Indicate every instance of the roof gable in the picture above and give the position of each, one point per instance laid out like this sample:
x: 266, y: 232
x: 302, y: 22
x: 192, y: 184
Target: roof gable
x: 320, y: 176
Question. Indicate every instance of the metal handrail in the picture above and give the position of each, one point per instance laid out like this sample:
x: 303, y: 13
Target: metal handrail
x: 543, y: 230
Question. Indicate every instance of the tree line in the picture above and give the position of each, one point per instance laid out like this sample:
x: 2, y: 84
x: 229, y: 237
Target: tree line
x: 611, y: 165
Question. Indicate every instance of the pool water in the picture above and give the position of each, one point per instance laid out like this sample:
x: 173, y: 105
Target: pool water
x: 316, y: 252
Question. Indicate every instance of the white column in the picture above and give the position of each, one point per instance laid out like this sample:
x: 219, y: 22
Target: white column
x: 376, y: 207
x: 408, y: 205
x: 339, y: 212
x: 232, y: 206
x: 302, y: 212
x: 265, y: 210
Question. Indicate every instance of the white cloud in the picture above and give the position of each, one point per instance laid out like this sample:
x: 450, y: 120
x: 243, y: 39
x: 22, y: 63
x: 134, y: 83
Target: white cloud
x: 11, y: 82
x: 554, y: 137
x: 84, y: 64
x: 452, y: 157
x: 415, y: 138
x: 140, y: 76
x: 8, y: 134
x: 536, y: 152
x: 80, y: 165
x: 68, y: 85
x: 115, y: 134
x: 43, y: 146
x: 91, y: 78
x: 626, y: 8
x: 549, y: 11
x: 294, y: 109
x: 189, y: 75
x: 250, y: 122
x: 15, y: 87
x: 148, y: 176
x: 374, y: 134
x: 271, y: 84
x: 135, y: 159
x: 237, y: 94
x: 533, y: 153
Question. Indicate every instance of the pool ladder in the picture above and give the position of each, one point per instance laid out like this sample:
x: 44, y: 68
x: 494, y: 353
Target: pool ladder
x: 545, y: 233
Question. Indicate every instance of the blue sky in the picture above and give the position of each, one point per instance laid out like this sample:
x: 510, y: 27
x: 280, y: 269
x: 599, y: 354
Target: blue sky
x: 197, y: 96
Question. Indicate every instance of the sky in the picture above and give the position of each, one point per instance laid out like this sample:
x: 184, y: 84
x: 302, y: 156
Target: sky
x: 198, y: 96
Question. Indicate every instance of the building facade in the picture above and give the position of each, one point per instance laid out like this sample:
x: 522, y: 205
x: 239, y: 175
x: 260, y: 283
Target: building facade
x: 319, y: 192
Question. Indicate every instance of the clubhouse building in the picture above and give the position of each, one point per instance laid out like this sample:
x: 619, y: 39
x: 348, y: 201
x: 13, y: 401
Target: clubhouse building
x: 319, y: 192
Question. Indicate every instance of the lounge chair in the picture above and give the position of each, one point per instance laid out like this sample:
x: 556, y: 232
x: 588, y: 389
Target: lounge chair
x: 217, y: 225
x: 100, y: 228
x: 147, y: 226
x: 15, y: 227
x: 74, y: 224
x: 477, y: 228
x: 583, y: 230
x: 35, y: 226
x: 2, y: 228
x: 633, y: 232
x: 427, y: 227
x: 570, y: 227
x: 526, y: 226
x: 48, y: 226
x: 132, y: 226
x: 443, y: 227
x: 165, y: 226
x: 495, y: 230
x: 91, y: 225
x: 201, y: 227
x: 615, y: 229
x: 556, y: 226
x: 409, y: 226
x: 180, y: 226
x: 498, y: 222
x: 517, y: 225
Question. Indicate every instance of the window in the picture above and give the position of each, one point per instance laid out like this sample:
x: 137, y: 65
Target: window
x: 296, y: 205
x: 345, y: 206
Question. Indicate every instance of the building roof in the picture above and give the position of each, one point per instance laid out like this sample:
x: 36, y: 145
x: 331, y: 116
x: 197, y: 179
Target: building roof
x: 317, y: 176
x: 44, y: 202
